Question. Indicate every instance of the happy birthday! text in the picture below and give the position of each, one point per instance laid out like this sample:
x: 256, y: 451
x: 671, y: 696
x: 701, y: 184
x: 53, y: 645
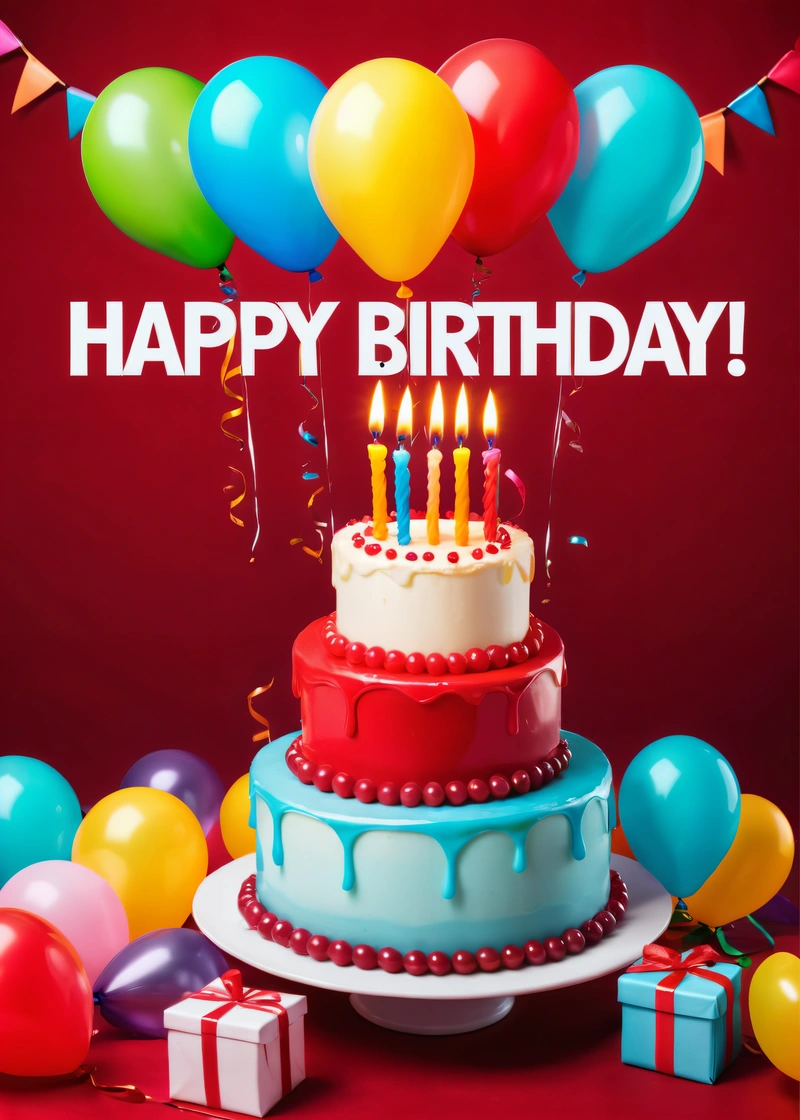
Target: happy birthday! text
x: 588, y: 339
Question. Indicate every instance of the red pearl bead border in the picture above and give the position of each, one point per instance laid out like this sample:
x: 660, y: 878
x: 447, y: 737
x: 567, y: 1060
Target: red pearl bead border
x: 475, y: 660
x: 433, y: 794
x: 341, y: 953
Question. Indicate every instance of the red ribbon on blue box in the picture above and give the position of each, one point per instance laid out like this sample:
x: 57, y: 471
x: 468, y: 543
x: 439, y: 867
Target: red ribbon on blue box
x: 660, y: 958
x: 236, y: 995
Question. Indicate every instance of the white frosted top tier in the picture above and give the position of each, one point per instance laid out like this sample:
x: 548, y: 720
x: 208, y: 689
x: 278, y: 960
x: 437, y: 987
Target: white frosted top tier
x: 432, y: 606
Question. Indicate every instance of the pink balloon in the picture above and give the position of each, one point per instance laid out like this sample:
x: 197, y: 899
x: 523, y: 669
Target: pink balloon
x: 78, y: 902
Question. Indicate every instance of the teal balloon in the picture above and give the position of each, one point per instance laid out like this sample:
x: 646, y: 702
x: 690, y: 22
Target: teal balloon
x: 248, y: 144
x: 639, y: 165
x: 39, y: 814
x: 679, y: 804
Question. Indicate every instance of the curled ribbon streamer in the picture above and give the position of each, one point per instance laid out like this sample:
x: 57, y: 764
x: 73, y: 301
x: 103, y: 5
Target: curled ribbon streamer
x: 554, y: 456
x: 318, y: 526
x: 225, y: 374
x: 520, y: 485
x: 573, y: 426
x: 260, y: 736
x: 236, y: 501
x: 478, y: 281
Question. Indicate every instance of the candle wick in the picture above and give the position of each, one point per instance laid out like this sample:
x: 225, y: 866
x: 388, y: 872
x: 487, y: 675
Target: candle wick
x: 435, y: 440
x: 460, y: 440
x: 375, y: 436
x: 491, y: 442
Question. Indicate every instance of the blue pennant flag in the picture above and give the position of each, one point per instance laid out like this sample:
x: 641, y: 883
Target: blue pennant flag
x: 78, y: 105
x: 752, y: 105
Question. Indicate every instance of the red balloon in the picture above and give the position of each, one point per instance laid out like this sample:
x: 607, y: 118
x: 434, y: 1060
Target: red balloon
x: 46, y: 1000
x: 524, y: 120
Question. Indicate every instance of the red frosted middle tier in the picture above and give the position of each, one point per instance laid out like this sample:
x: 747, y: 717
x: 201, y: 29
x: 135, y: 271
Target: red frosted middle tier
x: 396, y: 727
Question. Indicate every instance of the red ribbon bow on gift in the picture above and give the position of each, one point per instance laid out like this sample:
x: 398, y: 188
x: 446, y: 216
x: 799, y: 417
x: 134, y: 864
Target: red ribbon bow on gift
x: 659, y: 958
x: 236, y: 995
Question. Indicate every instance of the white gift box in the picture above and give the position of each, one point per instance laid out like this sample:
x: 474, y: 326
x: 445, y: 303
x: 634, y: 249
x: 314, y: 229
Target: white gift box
x: 236, y: 1049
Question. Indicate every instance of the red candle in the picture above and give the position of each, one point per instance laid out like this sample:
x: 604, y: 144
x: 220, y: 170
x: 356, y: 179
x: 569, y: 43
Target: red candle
x: 491, y: 466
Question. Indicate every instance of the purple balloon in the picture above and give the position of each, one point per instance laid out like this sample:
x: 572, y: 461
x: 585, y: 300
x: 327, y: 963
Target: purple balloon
x: 189, y: 778
x: 153, y: 972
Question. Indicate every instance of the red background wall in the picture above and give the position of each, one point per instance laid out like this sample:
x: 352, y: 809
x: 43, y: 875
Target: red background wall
x: 132, y: 619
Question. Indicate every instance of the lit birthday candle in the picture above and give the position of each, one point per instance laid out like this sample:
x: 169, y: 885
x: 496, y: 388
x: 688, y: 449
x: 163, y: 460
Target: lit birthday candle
x: 434, y: 461
x: 402, y: 479
x: 461, y: 462
x: 491, y: 467
x: 377, y: 462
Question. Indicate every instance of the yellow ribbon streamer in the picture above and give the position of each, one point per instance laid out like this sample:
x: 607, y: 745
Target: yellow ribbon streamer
x: 260, y: 735
x: 225, y: 375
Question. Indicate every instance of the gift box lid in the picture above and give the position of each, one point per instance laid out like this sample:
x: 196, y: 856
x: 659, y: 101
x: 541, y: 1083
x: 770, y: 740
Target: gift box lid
x: 695, y: 996
x: 244, y: 1020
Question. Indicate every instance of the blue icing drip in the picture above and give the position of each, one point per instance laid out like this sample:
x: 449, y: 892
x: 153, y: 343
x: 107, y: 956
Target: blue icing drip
x: 451, y: 828
x: 520, y: 852
x: 612, y: 810
x: 251, y: 819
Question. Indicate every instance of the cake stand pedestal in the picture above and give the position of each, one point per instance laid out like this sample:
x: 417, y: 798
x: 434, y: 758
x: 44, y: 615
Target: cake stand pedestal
x: 429, y: 1004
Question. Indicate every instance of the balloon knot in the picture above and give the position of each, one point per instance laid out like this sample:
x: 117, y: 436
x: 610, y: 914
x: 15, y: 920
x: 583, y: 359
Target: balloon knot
x: 404, y: 292
x: 97, y: 997
x: 580, y: 278
x: 314, y: 275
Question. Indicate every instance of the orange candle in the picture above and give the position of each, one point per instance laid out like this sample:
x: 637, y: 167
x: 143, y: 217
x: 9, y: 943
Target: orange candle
x: 461, y: 463
x: 434, y: 463
x: 377, y: 460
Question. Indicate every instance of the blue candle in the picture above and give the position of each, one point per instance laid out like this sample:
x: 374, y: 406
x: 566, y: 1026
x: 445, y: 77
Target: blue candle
x: 402, y: 494
x: 402, y: 478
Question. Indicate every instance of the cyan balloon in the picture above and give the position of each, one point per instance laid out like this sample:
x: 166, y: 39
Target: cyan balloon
x: 679, y: 804
x: 639, y: 165
x: 39, y: 814
x: 248, y: 146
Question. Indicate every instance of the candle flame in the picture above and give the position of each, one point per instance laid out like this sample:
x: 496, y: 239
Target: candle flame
x: 404, y: 417
x: 462, y: 415
x: 437, y: 414
x: 490, y: 418
x: 376, y: 411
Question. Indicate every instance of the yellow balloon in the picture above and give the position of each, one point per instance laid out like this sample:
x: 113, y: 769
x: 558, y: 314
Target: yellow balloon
x: 237, y: 835
x: 775, y: 1011
x: 755, y: 868
x: 391, y: 158
x: 150, y: 847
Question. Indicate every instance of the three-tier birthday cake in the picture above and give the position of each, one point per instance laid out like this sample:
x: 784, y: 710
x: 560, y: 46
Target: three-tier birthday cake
x: 431, y: 816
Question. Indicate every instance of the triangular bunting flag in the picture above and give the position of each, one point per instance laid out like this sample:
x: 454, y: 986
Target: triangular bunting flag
x: 752, y: 105
x: 78, y: 105
x: 714, y: 139
x: 786, y: 72
x: 35, y: 80
x: 8, y: 40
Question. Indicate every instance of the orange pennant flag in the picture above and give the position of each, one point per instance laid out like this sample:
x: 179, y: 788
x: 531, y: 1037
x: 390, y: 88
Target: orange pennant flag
x: 35, y: 80
x: 714, y: 139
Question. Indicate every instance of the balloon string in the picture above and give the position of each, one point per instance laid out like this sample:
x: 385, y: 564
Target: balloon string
x: 553, y: 460
x: 761, y: 929
x: 311, y: 439
x: 230, y: 294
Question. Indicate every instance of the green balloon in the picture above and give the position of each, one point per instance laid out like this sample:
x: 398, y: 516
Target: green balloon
x: 136, y: 162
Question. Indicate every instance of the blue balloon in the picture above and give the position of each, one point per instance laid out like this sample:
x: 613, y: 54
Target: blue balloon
x: 639, y: 165
x: 39, y: 814
x: 248, y: 147
x: 679, y: 804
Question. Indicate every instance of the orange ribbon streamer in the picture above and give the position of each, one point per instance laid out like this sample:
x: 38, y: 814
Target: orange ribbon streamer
x: 260, y: 736
x: 319, y: 526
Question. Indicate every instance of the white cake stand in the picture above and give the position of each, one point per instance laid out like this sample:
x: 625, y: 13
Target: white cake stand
x: 429, y: 1004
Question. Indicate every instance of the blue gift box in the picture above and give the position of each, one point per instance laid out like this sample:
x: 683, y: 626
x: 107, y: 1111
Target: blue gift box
x: 696, y: 1035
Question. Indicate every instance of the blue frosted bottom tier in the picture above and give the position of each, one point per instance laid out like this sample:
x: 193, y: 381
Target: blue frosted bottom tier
x: 434, y: 878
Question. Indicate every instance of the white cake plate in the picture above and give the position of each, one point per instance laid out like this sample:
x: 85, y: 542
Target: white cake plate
x: 429, y: 1004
